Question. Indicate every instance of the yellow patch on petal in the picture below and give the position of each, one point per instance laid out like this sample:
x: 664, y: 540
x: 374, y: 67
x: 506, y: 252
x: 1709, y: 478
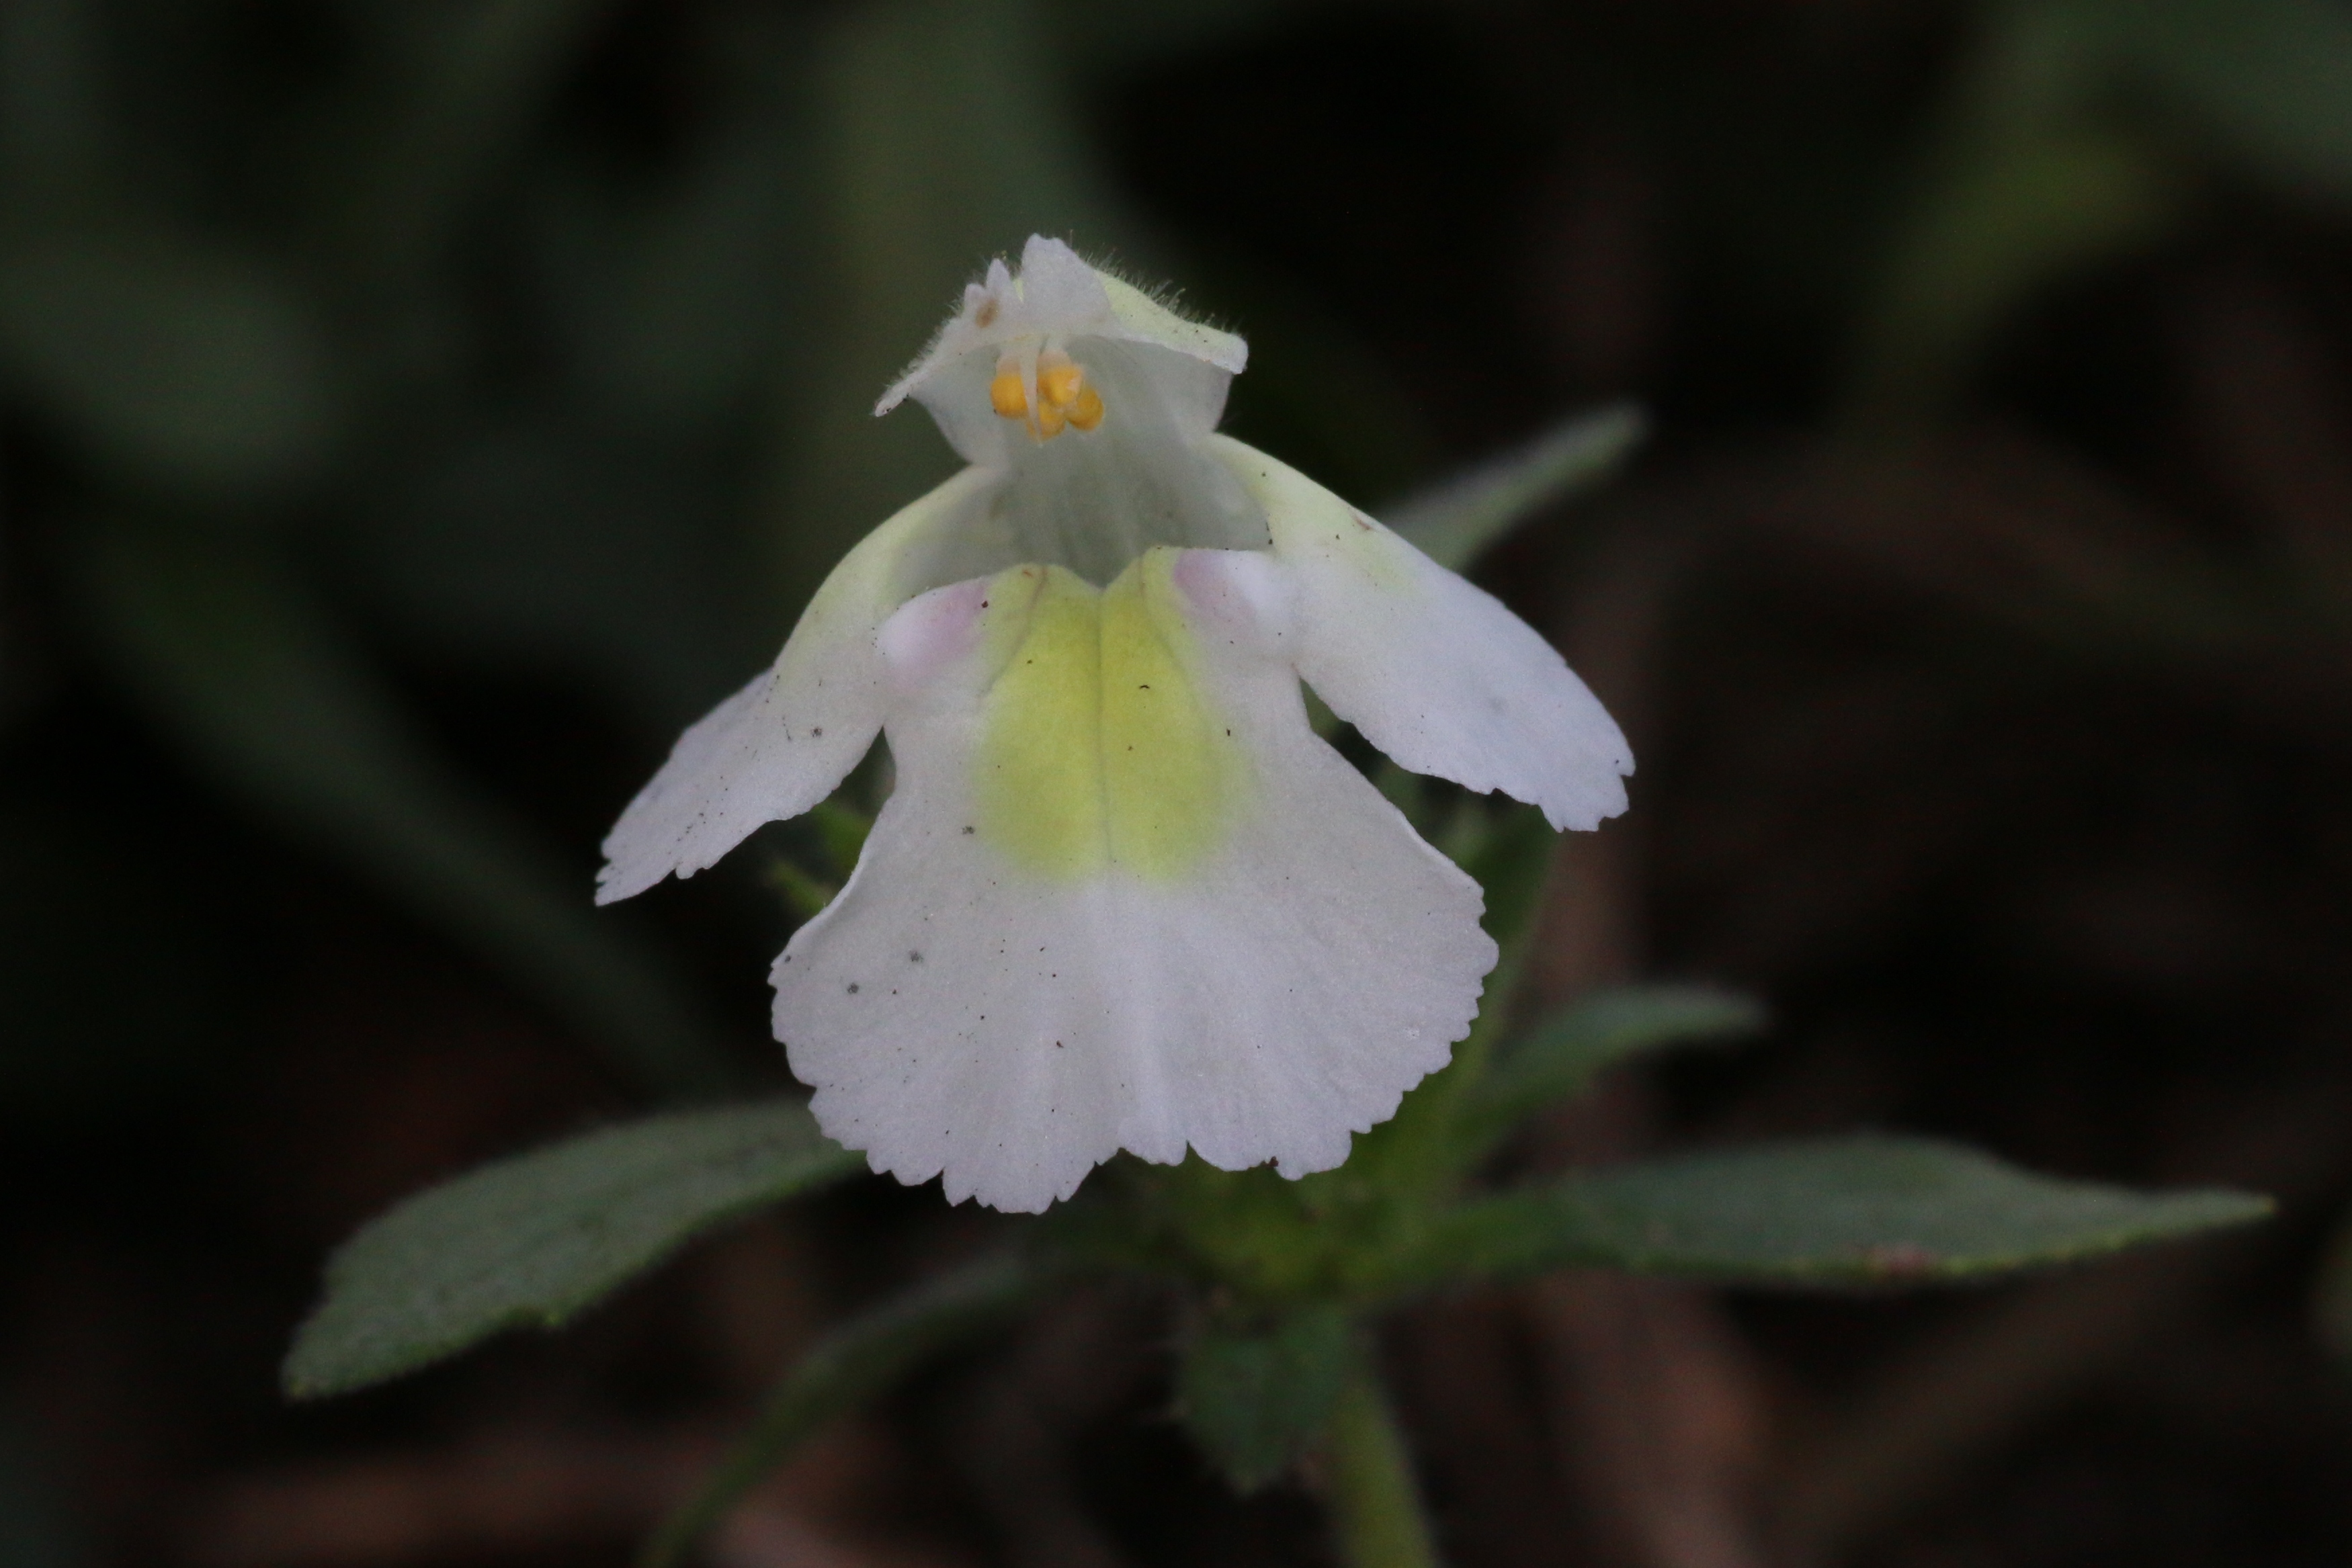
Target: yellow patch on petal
x: 1099, y: 748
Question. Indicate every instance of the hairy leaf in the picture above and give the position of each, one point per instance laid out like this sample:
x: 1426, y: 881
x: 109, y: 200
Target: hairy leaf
x: 1560, y: 1055
x: 531, y: 1240
x: 1255, y: 1396
x: 1868, y: 1209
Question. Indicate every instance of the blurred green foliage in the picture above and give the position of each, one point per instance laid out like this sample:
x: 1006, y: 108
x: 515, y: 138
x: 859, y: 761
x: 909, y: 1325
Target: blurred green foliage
x: 534, y: 338
x: 2078, y: 132
x: 341, y: 339
x: 533, y: 342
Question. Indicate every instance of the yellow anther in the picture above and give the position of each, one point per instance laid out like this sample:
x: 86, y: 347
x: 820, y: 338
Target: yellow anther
x: 1064, y: 398
x: 1060, y: 384
x: 1005, y: 396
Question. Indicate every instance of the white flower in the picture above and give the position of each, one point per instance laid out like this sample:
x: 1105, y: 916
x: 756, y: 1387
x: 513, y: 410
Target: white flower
x: 1123, y: 895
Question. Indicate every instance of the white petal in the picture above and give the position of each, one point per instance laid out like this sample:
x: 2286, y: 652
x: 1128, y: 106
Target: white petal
x: 781, y: 745
x: 1431, y: 669
x: 963, y: 1010
x: 1095, y: 500
x: 1057, y: 292
x: 1150, y: 363
x: 1145, y: 319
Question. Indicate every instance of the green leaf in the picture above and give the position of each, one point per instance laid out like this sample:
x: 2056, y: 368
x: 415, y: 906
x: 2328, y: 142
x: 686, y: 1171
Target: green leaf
x: 852, y: 1365
x: 532, y: 1240
x: 235, y: 658
x: 1454, y: 522
x: 1869, y: 1209
x: 1255, y: 1397
x: 1560, y: 1055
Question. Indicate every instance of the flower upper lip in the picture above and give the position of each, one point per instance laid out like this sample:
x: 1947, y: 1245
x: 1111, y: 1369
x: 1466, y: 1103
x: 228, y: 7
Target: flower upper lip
x: 1056, y: 294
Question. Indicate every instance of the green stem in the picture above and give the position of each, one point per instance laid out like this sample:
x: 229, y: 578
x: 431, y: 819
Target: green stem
x: 1374, y: 1499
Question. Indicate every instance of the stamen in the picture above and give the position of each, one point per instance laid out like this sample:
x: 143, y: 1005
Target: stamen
x: 1059, y: 384
x: 1064, y: 398
x: 1005, y: 396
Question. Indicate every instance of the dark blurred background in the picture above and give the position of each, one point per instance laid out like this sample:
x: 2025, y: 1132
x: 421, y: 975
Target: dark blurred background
x: 415, y: 411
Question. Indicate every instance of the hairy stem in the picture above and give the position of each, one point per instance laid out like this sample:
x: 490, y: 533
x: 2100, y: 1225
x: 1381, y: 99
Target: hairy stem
x: 1374, y: 1499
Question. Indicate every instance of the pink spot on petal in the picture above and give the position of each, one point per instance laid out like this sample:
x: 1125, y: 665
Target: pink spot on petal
x: 1234, y: 591
x: 933, y: 631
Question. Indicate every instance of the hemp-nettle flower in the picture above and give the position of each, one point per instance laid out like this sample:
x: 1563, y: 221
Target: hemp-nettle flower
x: 1122, y: 897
